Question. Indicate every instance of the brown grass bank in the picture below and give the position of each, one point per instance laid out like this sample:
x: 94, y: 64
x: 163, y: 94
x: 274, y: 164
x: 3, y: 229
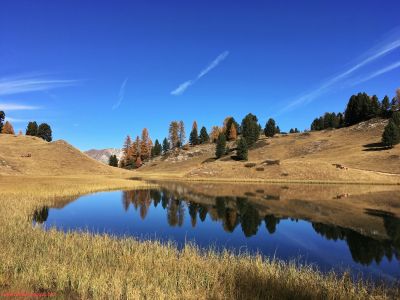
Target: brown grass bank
x: 81, y: 265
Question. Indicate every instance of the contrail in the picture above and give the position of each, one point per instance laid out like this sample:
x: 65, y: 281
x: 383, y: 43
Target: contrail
x: 121, y: 94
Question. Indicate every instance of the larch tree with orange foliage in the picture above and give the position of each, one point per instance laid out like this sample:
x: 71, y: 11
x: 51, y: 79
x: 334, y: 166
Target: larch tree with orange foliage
x: 215, y: 131
x: 232, y: 133
x: 145, y: 145
x: 7, y: 128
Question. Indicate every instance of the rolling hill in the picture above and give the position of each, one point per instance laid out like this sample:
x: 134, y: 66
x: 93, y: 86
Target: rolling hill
x: 28, y: 155
x: 348, y: 154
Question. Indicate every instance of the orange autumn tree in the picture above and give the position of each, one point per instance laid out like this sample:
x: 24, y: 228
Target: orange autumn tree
x: 7, y: 128
x: 215, y: 131
x: 145, y: 145
x: 126, y: 152
x: 233, y: 133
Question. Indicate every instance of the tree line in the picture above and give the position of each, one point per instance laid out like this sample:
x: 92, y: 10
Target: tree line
x: 43, y: 130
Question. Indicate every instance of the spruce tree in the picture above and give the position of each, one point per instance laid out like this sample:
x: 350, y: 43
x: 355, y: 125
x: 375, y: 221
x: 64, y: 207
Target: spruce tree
x: 194, y: 135
x: 157, y: 149
x: 270, y: 128
x: 113, y: 161
x: 396, y: 118
x: 391, y: 135
x: 204, y: 138
x: 385, y: 107
x: 242, y: 150
x: 165, y: 145
x: 32, y: 129
x: 44, y: 132
x: 2, y: 117
x: 220, y: 149
x: 250, y: 129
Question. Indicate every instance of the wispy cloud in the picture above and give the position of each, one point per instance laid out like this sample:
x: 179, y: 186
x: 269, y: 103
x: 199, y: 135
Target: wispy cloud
x: 31, y: 83
x: 121, y: 94
x: 377, y: 73
x: 367, y: 58
x: 13, y: 106
x: 184, y: 86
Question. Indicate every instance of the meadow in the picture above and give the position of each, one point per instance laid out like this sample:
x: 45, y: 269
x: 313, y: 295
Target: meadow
x: 85, y: 266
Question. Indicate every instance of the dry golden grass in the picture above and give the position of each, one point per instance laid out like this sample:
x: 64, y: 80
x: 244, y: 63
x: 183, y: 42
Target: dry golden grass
x: 85, y: 266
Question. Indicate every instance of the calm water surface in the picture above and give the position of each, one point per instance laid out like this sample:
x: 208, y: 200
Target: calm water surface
x: 274, y: 223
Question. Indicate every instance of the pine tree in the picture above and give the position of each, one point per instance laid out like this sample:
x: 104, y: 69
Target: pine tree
x: 174, y: 134
x: 270, y: 128
x: 396, y: 118
x: 32, y: 129
x: 232, y: 133
x: 220, y: 149
x: 385, y: 107
x: 181, y: 134
x: 375, y: 106
x: 194, y: 135
x: 7, y: 128
x: 44, y: 132
x: 204, y: 138
x: 227, y: 127
x: 296, y: 130
x: 391, y: 135
x: 157, y: 149
x: 2, y: 117
x: 113, y: 161
x: 165, y: 145
x: 250, y: 129
x: 242, y: 150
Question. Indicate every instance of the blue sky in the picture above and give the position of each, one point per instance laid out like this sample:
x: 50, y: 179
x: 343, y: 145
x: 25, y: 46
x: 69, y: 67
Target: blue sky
x: 99, y: 70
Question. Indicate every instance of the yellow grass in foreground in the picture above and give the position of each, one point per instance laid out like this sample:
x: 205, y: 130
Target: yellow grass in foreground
x: 78, y: 265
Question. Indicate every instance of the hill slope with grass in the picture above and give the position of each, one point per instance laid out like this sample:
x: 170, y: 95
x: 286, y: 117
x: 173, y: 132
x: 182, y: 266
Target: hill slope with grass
x: 351, y: 154
x: 28, y: 155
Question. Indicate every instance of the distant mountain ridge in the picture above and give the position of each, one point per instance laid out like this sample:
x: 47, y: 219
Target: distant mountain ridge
x: 103, y: 155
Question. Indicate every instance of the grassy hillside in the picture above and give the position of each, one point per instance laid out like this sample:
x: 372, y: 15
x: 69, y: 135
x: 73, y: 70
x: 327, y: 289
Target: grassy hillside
x: 310, y: 156
x: 27, y: 155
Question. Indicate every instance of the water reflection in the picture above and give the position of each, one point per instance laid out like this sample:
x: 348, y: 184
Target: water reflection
x: 265, y: 221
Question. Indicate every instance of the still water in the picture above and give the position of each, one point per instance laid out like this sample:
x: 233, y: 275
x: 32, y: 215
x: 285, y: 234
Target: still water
x: 325, y: 226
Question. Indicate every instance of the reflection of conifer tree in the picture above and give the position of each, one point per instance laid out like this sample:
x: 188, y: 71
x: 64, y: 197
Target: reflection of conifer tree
x: 220, y: 205
x: 126, y: 200
x: 270, y: 223
x: 144, y: 201
x: 172, y: 212
x: 181, y: 213
x: 40, y: 216
x: 202, y: 212
x: 230, y: 220
x: 193, y: 208
x: 164, y: 199
x: 250, y: 220
x: 156, y: 196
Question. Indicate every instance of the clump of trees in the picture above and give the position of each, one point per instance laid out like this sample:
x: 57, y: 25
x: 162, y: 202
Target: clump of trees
x: 113, y: 161
x: 135, y: 152
x: 360, y: 107
x: 43, y: 131
x: 294, y: 130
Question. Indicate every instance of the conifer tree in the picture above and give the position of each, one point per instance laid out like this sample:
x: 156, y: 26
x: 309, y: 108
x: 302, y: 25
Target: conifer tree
x: 165, y: 145
x: 7, y: 128
x: 232, y: 133
x: 145, y: 145
x: 250, y: 129
x: 174, y: 134
x: 215, y: 132
x: 181, y: 134
x: 396, y: 118
x: 113, y: 161
x: 220, y: 149
x: 270, y: 128
x: 227, y: 127
x: 138, y: 162
x: 242, y: 150
x: 44, y: 132
x: 32, y: 129
x: 391, y: 135
x: 194, y: 135
x: 157, y: 149
x: 126, y: 150
x: 204, y: 138
x: 385, y: 107
x: 2, y: 117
